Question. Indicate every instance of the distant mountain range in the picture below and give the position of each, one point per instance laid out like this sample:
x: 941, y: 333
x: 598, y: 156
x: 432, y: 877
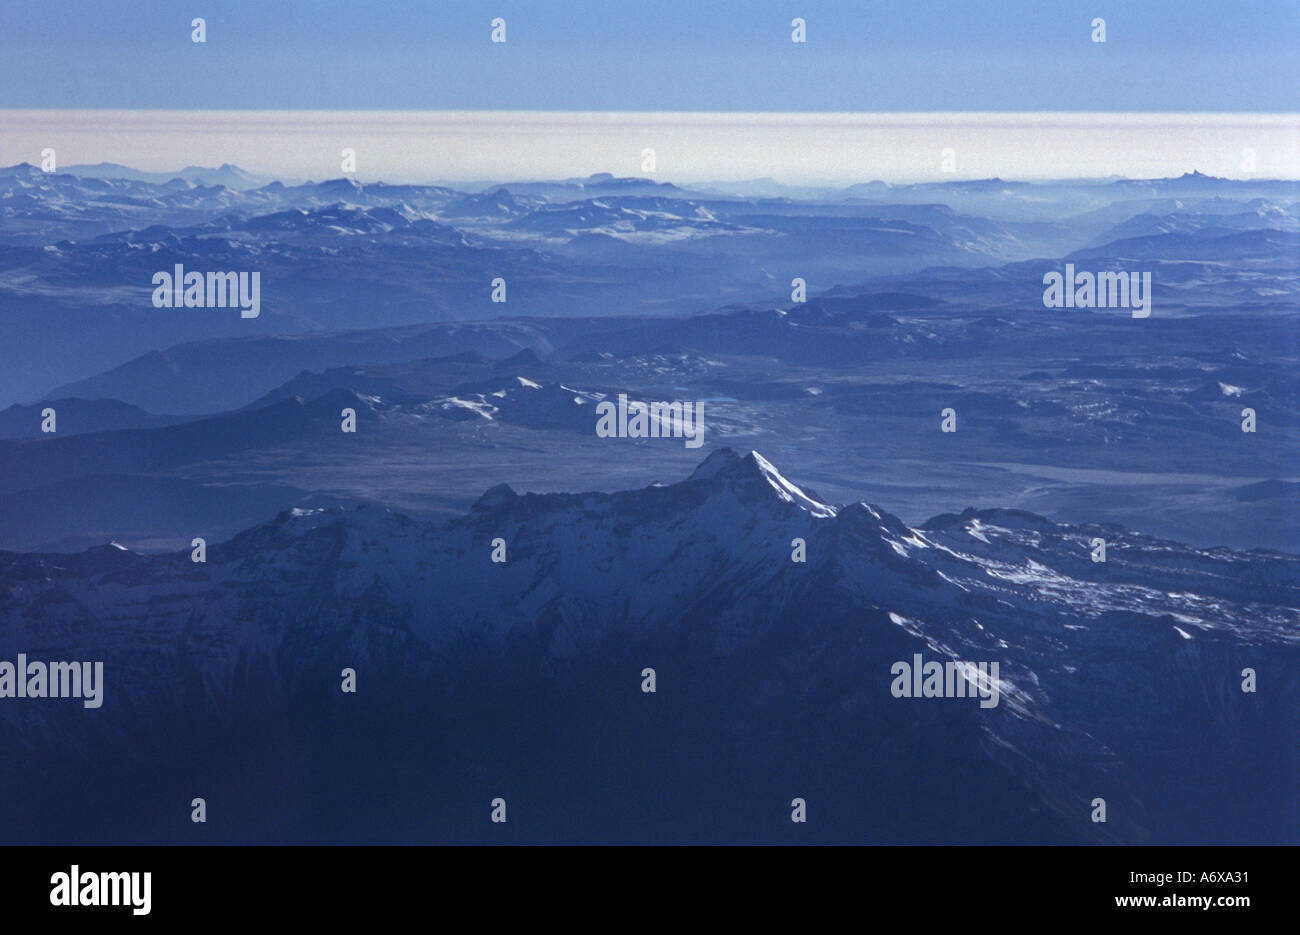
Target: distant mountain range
x: 78, y: 251
x: 230, y: 176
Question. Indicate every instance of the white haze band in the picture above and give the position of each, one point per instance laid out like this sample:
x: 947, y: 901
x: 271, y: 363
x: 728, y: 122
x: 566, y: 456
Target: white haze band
x: 25, y: 679
x: 651, y: 420
x: 180, y: 289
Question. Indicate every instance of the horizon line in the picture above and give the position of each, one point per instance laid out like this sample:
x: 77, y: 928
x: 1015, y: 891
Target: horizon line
x: 798, y: 148
x: 542, y: 180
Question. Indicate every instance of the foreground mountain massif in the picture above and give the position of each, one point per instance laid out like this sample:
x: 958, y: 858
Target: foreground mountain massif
x: 523, y: 679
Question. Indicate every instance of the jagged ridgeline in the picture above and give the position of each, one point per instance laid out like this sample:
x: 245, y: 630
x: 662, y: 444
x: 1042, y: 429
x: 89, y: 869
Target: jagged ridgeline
x: 774, y: 678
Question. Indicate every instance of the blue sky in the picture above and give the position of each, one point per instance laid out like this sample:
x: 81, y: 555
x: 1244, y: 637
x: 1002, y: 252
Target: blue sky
x: 677, y: 55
